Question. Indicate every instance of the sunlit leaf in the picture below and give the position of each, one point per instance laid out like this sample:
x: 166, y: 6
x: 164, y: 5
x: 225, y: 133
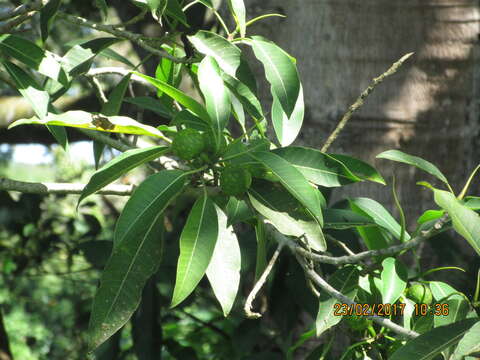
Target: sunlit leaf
x: 197, y: 244
x: 394, y: 277
x: 223, y: 271
x: 237, y: 7
x: 360, y: 168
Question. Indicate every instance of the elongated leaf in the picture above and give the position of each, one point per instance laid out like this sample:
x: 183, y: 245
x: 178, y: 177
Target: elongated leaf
x: 47, y: 17
x: 457, y: 310
x: 113, y: 55
x: 245, y: 96
x: 115, y: 99
x: 136, y: 254
x: 374, y: 237
x: 360, y: 168
x: 379, y: 214
x: 317, y: 167
x: 150, y: 198
x: 85, y: 120
x: 281, y: 209
x: 261, y: 258
x: 432, y: 343
x: 394, y: 277
x: 151, y: 104
x: 131, y: 264
x: 344, y: 219
x: 98, y: 148
x: 182, y: 98
x: 103, y: 7
x: 292, y: 180
x: 80, y: 57
x: 287, y: 128
x: 224, y: 52
x: 119, y: 166
x: 344, y: 280
x: 465, y: 221
x: 217, y: 97
x: 237, y: 7
x: 239, y: 150
x: 430, y: 215
x: 238, y: 211
x: 174, y: 10
x: 185, y: 117
x: 469, y: 344
x: 27, y: 52
x: 280, y: 71
x: 223, y: 271
x: 396, y: 155
x: 197, y: 244
x: 30, y: 90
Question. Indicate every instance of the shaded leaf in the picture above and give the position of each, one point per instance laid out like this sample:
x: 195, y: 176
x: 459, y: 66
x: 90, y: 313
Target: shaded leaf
x: 149, y: 103
x: 432, y: 343
x: 115, y: 99
x: 396, y: 155
x: 47, y: 17
x: 469, y: 344
x: 197, y: 244
x: 344, y: 219
x: 287, y: 128
x: 317, y: 167
x: 345, y: 281
x: 119, y: 166
x: 360, y: 168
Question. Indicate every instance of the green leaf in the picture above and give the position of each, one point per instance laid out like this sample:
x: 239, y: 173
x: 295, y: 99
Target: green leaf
x: 287, y: 128
x: 113, y: 55
x: 293, y: 181
x: 317, y: 167
x: 379, y: 215
x: 432, y: 343
x: 238, y: 211
x: 150, y: 199
x: 80, y: 57
x: 375, y: 238
x: 30, y: 90
x: 261, y: 258
x: 223, y: 271
x: 217, y: 97
x: 174, y: 10
x: 149, y: 103
x: 115, y: 99
x: 224, y: 52
x: 85, y: 120
x: 119, y: 166
x: 469, y: 344
x: 466, y: 222
x: 396, y: 155
x: 186, y: 118
x: 442, y: 291
x: 360, y: 168
x: 237, y: 7
x: 341, y: 219
x: 458, y: 310
x: 207, y: 3
x: 197, y: 244
x: 98, y: 148
x: 132, y: 262
x: 430, y: 215
x: 47, y: 17
x: 345, y: 281
x: 240, y: 151
x: 394, y: 277
x: 245, y: 95
x: 280, y: 71
x: 191, y: 104
x: 282, y: 210
x: 103, y: 7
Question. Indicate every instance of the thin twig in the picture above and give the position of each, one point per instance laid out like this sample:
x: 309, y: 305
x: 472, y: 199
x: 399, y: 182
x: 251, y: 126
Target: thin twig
x: 361, y: 99
x: 8, y: 27
x: 117, y: 71
x: 21, y: 10
x: 261, y: 281
x: 321, y: 283
x: 206, y: 324
x: 60, y: 188
x: 392, y: 250
x: 123, y: 34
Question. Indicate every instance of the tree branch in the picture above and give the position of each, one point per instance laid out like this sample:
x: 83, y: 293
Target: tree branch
x: 392, y: 250
x: 117, y: 71
x: 361, y: 99
x: 7, y: 27
x: 123, y: 34
x: 21, y: 10
x: 60, y: 188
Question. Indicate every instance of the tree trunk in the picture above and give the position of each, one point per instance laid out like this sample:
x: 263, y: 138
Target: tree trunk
x: 429, y: 108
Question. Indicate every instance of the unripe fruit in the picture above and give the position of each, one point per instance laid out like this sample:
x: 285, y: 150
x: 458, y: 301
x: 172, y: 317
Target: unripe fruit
x: 188, y: 144
x: 235, y: 180
x: 420, y: 293
x: 209, y: 140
